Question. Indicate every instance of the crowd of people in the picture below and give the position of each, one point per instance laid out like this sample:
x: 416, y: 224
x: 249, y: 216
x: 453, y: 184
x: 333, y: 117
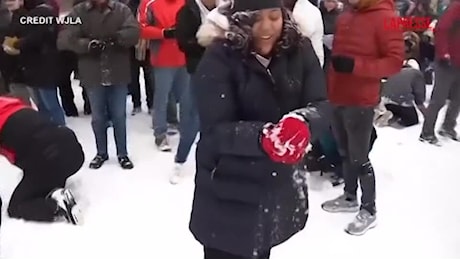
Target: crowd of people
x: 275, y: 88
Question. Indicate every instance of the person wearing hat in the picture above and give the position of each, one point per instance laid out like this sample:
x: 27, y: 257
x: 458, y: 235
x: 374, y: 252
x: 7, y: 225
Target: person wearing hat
x: 267, y: 92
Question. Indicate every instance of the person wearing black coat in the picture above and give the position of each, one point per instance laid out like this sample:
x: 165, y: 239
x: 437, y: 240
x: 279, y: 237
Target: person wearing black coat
x: 250, y: 188
x: 329, y: 11
x: 189, y: 20
x: 13, y: 71
x: 36, y: 46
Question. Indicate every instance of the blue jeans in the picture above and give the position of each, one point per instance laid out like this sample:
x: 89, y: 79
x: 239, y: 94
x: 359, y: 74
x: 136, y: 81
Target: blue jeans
x: 108, y: 105
x: 189, y: 124
x: 48, y: 104
x: 166, y: 80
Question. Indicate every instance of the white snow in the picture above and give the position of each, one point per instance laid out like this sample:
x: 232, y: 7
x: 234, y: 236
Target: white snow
x: 139, y: 214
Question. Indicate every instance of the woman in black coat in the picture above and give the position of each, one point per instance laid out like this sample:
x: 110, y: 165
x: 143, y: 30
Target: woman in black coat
x: 251, y: 194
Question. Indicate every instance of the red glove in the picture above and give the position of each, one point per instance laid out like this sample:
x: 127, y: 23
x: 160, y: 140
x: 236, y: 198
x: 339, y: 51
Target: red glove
x: 287, y: 141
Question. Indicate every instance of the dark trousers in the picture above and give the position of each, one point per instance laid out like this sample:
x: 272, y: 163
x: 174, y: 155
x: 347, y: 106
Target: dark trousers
x: 47, y: 154
x: 352, y: 127
x: 68, y: 64
x: 210, y: 253
x: 406, y: 116
x: 135, y: 87
x: 446, y: 87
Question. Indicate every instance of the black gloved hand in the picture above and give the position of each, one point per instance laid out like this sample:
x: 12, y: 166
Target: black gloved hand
x: 169, y: 33
x: 96, y: 47
x: 343, y: 64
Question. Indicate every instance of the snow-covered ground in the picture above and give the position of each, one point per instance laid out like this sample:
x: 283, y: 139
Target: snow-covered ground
x: 138, y: 214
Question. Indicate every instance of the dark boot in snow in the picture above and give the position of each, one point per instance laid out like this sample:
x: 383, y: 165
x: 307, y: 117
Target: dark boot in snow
x: 430, y: 139
x: 98, y: 161
x: 451, y: 134
x: 125, y: 162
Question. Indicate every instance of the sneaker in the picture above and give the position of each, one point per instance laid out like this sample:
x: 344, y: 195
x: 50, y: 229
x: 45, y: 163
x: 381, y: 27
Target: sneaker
x: 98, y: 161
x: 178, y: 174
x: 162, y: 143
x: 136, y: 111
x: 431, y: 139
x: 67, y: 207
x: 341, y: 204
x: 125, y: 162
x: 362, y: 223
x: 384, y: 119
x: 451, y: 134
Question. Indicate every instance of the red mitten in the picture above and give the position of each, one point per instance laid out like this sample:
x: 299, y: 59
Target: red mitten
x: 287, y: 141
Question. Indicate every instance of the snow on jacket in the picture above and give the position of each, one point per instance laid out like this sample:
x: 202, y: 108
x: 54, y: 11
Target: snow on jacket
x: 305, y: 14
x: 245, y: 203
x: 8, y: 106
x: 308, y: 18
x: 154, y: 17
x: 447, y: 33
x: 378, y: 53
x: 406, y: 87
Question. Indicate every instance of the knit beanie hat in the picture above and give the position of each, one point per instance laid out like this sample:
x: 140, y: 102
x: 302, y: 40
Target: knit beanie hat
x: 255, y: 5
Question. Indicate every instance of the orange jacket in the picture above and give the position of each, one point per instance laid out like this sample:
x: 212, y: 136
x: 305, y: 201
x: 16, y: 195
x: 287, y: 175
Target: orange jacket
x: 155, y: 16
x: 378, y: 53
x: 9, y: 106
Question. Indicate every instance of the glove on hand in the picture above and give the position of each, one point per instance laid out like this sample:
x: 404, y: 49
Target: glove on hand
x: 343, y: 64
x: 96, y: 47
x: 287, y: 141
x: 169, y: 33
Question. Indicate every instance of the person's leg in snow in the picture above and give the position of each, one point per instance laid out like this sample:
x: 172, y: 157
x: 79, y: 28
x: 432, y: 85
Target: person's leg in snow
x: 403, y: 116
x: 99, y: 121
x: 353, y: 129
x: 446, y: 79
x: 48, y: 155
x: 188, y: 127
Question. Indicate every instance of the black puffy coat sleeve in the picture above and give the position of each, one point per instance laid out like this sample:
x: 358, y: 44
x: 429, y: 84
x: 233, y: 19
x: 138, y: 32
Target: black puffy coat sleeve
x: 314, y: 93
x: 217, y: 105
x: 185, y: 33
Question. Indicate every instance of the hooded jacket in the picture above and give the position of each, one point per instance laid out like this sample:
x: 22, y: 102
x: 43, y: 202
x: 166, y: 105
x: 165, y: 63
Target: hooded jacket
x: 377, y: 53
x: 306, y: 15
x: 8, y: 106
x: 244, y: 203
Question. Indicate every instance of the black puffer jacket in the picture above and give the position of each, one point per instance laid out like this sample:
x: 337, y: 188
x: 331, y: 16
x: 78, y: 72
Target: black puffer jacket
x: 244, y: 203
x: 188, y: 22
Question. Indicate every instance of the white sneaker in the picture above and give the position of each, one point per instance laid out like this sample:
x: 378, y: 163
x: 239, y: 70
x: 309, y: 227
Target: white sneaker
x: 68, y: 208
x: 178, y: 174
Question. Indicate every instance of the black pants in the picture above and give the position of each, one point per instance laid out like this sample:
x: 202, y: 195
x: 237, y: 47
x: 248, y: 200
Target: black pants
x: 47, y: 154
x: 352, y: 127
x: 134, y: 86
x: 210, y: 253
x: 406, y: 116
x: 67, y: 64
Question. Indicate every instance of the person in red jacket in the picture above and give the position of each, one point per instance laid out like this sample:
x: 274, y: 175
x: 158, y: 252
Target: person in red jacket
x: 47, y: 154
x: 447, y: 72
x: 158, y: 21
x: 363, y: 53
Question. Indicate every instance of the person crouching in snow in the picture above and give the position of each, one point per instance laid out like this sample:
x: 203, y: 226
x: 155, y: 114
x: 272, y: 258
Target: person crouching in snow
x: 250, y: 192
x: 399, y: 94
x: 47, y: 154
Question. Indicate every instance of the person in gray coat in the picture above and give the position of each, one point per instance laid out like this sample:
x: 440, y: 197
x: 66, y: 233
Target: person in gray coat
x: 102, y: 41
x: 402, y: 95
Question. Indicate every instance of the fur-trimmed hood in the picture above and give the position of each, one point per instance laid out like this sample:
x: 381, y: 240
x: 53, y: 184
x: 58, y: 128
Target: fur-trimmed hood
x: 307, y: 17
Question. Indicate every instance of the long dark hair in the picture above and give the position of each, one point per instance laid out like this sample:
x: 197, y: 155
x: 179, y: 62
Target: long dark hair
x: 240, y: 37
